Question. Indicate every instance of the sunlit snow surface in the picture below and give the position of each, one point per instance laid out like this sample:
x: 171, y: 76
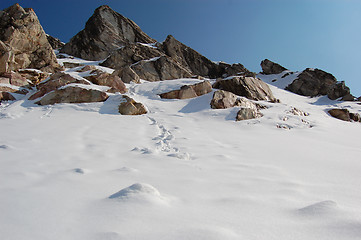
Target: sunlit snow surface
x: 183, y: 171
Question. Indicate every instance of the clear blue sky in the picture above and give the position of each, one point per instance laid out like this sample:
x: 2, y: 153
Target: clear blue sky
x: 323, y: 34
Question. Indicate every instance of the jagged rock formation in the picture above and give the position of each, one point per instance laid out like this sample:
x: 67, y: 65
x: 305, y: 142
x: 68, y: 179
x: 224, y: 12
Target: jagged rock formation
x: 23, y: 42
x: 128, y: 106
x: 269, y: 67
x: 73, y: 94
x: 315, y: 82
x: 104, y: 32
x: 55, y: 43
x: 249, y: 87
x: 189, y: 91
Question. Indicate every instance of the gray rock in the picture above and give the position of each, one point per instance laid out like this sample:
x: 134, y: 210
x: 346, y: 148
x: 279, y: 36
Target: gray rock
x: 248, y: 113
x: 315, y: 82
x: 269, y: 67
x: 104, y: 32
x: 130, y: 107
x: 55, y: 43
x: 249, y: 87
x: 73, y: 95
x: 189, y: 91
x: 161, y: 68
x: 224, y: 99
x: 127, y: 75
x: 23, y: 42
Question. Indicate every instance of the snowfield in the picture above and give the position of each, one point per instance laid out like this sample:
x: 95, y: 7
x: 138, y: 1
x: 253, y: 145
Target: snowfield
x: 182, y: 171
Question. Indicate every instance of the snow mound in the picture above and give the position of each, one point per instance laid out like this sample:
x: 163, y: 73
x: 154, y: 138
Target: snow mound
x: 139, y: 192
x: 320, y: 208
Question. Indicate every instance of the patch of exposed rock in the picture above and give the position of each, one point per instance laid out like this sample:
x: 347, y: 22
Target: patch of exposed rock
x: 223, y: 99
x: 127, y: 75
x: 315, y: 82
x: 35, y: 76
x: 248, y: 113
x: 249, y: 87
x: 128, y: 106
x: 104, y: 32
x: 56, y: 80
x: 344, y: 115
x: 14, y: 78
x: 23, y: 42
x: 6, y: 96
x: 189, y: 91
x: 269, y: 67
x: 55, y: 43
x: 160, y: 68
x: 73, y: 94
x: 110, y: 80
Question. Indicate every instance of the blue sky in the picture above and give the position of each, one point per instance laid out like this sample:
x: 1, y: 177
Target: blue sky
x: 323, y: 34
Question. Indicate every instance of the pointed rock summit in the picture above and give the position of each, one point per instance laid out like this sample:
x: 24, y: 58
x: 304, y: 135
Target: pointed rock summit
x: 104, y: 32
x: 23, y: 42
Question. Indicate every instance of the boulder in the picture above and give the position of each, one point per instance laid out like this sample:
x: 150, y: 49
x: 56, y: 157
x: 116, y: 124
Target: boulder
x: 224, y: 99
x: 130, y: 54
x: 87, y: 68
x: 342, y: 114
x: 127, y: 75
x: 355, y: 117
x: 110, y: 80
x: 15, y: 79
x: 189, y: 91
x: 73, y: 94
x: 315, y: 82
x: 55, y: 43
x: 128, y: 106
x: 160, y: 68
x: 348, y: 97
x: 5, y: 96
x: 249, y: 87
x: 104, y: 32
x: 248, y: 113
x: 23, y: 42
x: 56, y: 80
x: 13, y: 89
x: 35, y: 76
x: 269, y: 67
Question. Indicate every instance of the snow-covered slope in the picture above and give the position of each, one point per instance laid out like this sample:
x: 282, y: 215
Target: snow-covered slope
x: 183, y: 171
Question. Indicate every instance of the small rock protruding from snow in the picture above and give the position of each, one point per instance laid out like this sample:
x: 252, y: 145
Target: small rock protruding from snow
x: 248, y: 113
x: 269, y: 67
x: 189, y: 91
x: 345, y: 115
x: 130, y: 107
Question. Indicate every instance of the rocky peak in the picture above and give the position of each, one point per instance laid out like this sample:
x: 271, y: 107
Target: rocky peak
x: 104, y: 32
x: 23, y: 42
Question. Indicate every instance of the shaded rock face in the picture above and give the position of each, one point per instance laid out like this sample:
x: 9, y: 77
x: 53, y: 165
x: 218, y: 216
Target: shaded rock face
x: 160, y: 68
x: 73, y: 94
x: 55, y: 43
x: 34, y: 76
x: 5, y: 96
x: 196, y: 63
x: 56, y: 80
x: 130, y: 54
x: 110, y: 80
x: 248, y: 113
x: 130, y: 107
x: 189, y: 91
x: 23, y: 42
x: 224, y: 99
x: 315, y: 82
x: 104, y: 32
x: 14, y: 78
x: 249, y: 87
x: 127, y: 75
x: 269, y: 67
x: 344, y: 115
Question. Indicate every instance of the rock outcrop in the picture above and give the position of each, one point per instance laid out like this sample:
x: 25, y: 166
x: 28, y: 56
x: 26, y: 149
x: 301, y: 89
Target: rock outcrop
x: 14, y: 78
x: 55, y: 43
x: 127, y: 75
x: 104, y: 32
x: 128, y: 106
x: 315, y: 82
x: 73, y: 94
x: 224, y: 99
x: 248, y: 113
x: 189, y: 91
x: 249, y: 87
x: 56, y: 80
x: 344, y: 115
x: 23, y: 42
x: 269, y: 67
x: 160, y: 68
x: 110, y: 80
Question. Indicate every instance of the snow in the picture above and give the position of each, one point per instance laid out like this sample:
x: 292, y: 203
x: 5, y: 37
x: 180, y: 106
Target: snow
x: 182, y: 171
